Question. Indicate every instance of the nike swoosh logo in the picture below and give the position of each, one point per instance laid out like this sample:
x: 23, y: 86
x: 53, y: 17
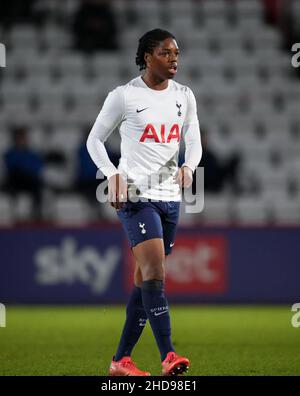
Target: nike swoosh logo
x: 172, y: 244
x: 139, y: 111
x: 159, y: 313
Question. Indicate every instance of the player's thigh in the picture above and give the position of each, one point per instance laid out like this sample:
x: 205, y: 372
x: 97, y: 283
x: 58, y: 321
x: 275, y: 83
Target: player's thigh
x: 143, y: 226
x: 150, y: 256
x: 141, y: 222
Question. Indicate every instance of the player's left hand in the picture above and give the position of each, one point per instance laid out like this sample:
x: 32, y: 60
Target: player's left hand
x: 117, y: 191
x: 184, y: 177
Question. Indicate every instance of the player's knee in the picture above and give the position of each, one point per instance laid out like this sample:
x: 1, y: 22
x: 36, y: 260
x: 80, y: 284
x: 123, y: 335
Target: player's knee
x: 138, y: 282
x: 138, y: 279
x: 154, y: 270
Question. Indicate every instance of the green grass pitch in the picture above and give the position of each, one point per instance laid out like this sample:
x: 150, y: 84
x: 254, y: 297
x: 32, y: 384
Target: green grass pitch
x: 223, y: 340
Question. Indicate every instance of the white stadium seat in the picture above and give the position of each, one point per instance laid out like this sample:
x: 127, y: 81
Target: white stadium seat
x: 251, y: 210
x: 51, y: 36
x: 286, y: 210
x: 6, y: 210
x: 217, y: 209
x: 66, y: 140
x: 24, y: 36
x: 71, y: 210
x: 5, y: 140
x: 216, y: 8
x: 23, y: 207
x: 249, y: 7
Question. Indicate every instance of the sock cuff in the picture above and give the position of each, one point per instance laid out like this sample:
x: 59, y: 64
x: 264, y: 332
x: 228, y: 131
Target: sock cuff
x: 153, y: 284
x: 137, y: 289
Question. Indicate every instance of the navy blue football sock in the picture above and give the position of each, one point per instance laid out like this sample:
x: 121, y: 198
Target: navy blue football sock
x: 156, y: 307
x: 135, y: 322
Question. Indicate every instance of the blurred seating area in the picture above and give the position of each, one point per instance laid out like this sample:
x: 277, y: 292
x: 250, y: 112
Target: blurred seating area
x: 247, y: 92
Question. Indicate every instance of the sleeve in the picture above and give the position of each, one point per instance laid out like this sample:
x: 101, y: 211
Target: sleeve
x: 109, y: 118
x: 191, y: 134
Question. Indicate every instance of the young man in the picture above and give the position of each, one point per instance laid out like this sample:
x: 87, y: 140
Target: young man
x: 153, y: 113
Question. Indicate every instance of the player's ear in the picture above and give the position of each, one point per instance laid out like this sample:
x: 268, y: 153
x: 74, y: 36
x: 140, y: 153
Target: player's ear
x: 147, y: 58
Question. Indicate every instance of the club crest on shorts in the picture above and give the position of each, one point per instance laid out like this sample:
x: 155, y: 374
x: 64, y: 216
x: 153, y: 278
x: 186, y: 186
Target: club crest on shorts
x: 142, y: 225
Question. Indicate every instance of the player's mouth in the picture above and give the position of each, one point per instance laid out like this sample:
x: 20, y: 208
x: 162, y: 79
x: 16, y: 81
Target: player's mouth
x: 173, y: 68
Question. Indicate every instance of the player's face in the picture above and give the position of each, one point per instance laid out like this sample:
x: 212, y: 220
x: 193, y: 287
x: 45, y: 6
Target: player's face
x: 163, y: 62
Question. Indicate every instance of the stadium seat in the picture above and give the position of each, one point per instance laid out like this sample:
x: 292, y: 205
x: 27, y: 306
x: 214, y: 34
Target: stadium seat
x: 69, y: 63
x: 266, y: 37
x: 248, y: 21
x: 178, y: 8
x: 216, y: 25
x: 177, y: 25
x: 215, y: 9
x: 223, y: 145
x: 6, y: 210
x: 5, y: 140
x: 52, y: 36
x: 106, y: 63
x: 72, y: 210
x: 217, y: 209
x: 58, y: 177
x: 251, y: 210
x: 248, y: 7
x: 37, y: 138
x: 17, y: 113
x: 23, y: 207
x: 61, y: 136
x: 23, y: 36
x: 286, y: 210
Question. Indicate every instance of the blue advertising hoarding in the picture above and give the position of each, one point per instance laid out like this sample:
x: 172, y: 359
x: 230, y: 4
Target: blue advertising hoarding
x: 93, y: 265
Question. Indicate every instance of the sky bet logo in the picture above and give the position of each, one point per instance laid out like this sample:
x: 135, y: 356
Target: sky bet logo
x: 2, y: 55
x: 2, y: 316
x: 296, y: 57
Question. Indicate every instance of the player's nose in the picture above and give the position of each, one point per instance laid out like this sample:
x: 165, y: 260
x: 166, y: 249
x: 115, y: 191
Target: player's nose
x: 174, y: 57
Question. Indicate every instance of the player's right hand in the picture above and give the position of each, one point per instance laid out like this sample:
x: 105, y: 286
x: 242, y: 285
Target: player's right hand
x: 117, y: 191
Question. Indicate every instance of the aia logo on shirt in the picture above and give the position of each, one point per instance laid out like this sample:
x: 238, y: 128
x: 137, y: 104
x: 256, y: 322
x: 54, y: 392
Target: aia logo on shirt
x: 150, y: 134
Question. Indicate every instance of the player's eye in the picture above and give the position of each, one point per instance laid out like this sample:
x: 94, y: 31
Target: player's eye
x: 168, y: 54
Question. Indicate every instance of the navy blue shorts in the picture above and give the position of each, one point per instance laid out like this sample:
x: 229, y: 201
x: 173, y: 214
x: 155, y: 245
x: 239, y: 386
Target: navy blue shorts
x: 152, y: 219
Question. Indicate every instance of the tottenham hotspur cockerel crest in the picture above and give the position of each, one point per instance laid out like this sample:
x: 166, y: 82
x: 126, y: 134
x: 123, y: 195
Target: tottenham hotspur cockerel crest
x: 178, y: 105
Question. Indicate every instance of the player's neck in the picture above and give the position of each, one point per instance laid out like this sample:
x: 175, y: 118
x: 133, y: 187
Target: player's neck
x: 154, y: 82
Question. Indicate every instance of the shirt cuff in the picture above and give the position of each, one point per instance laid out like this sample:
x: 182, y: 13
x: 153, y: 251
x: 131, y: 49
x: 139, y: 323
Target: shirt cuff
x: 189, y: 166
x: 109, y: 171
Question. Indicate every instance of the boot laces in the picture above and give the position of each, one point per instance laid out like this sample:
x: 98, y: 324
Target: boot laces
x: 128, y: 363
x: 171, y: 357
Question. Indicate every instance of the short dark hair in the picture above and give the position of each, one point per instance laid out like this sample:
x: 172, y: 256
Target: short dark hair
x: 148, y: 42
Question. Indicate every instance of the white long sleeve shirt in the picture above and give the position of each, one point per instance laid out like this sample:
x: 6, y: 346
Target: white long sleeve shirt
x: 151, y: 125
